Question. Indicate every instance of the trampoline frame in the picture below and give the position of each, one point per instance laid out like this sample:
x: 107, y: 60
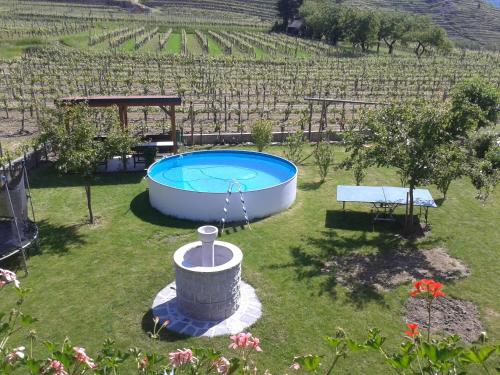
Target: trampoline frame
x: 22, y: 246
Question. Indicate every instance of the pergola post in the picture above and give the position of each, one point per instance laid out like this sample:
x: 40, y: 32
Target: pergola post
x: 122, y: 112
x: 172, y: 128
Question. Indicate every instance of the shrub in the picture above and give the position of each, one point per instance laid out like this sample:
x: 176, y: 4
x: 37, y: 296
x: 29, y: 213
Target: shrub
x: 262, y: 133
x: 435, y: 355
x: 294, y: 146
x: 323, y: 154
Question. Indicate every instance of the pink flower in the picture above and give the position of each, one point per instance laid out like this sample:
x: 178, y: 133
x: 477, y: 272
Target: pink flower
x: 8, y: 277
x: 57, y: 366
x: 240, y: 341
x: 17, y: 353
x: 295, y: 366
x: 255, y: 344
x: 82, y: 357
x: 222, y: 365
x: 181, y: 357
x: 245, y: 340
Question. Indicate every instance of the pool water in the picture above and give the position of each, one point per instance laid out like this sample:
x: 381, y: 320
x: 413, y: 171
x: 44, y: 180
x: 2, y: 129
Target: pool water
x: 213, y: 171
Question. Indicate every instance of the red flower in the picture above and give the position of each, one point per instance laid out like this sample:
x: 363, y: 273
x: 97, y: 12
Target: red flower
x: 413, y: 330
x: 431, y: 288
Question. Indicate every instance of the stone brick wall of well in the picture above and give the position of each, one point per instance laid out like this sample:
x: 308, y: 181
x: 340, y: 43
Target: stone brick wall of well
x: 208, y: 295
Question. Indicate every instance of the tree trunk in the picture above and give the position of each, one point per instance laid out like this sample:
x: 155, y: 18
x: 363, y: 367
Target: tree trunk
x: 410, y: 211
x: 89, y: 202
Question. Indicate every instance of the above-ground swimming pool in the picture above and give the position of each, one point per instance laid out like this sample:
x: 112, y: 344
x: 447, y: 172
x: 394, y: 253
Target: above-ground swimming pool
x: 194, y: 186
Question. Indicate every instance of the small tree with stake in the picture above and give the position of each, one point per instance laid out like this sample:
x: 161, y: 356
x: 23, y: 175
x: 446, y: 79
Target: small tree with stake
x: 410, y: 137
x: 71, y: 134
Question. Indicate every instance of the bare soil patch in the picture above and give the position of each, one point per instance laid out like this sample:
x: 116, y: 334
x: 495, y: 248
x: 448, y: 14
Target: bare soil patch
x: 448, y: 316
x: 386, y: 270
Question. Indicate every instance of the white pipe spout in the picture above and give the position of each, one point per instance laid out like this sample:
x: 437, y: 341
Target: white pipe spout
x: 207, y: 234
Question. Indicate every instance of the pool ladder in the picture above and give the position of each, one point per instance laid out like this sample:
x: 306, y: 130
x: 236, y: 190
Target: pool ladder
x: 227, y: 203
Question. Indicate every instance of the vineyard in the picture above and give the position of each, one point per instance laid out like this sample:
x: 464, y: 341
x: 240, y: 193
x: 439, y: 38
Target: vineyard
x: 227, y: 93
x: 227, y: 69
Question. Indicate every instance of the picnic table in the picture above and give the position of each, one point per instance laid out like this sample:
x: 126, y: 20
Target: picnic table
x: 384, y: 199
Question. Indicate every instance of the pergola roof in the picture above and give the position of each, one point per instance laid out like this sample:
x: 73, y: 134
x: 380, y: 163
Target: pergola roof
x: 129, y: 101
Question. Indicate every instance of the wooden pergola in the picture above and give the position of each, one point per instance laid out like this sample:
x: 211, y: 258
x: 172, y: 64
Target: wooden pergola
x: 166, y: 103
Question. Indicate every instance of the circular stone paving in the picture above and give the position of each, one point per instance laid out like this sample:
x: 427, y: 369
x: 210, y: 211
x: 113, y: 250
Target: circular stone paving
x: 165, y: 308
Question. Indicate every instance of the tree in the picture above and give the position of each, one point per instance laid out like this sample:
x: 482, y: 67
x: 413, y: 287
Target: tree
x: 427, y: 35
x: 336, y: 19
x: 288, y: 9
x: 474, y: 105
x: 315, y: 22
x: 294, y: 146
x: 364, y: 28
x: 391, y: 30
x: 474, y: 109
x: 484, y: 162
x: 323, y: 155
x: 410, y: 137
x: 71, y: 134
x: 450, y: 165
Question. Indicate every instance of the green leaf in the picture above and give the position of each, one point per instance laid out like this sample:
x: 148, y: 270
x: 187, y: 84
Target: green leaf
x: 309, y: 362
x: 400, y: 361
x: 375, y: 340
x: 429, y: 351
x: 354, y: 346
x: 477, y: 355
x: 26, y: 320
x: 333, y: 341
x: 51, y: 347
x: 34, y: 366
x: 407, y: 346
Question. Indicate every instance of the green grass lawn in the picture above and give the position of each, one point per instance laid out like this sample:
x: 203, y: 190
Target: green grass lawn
x: 174, y: 44
x: 11, y: 48
x: 213, y: 47
x: 79, y: 40
x: 128, y: 46
x: 94, y: 282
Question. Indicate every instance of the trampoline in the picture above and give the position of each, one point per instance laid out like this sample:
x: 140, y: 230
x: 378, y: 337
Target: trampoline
x: 18, y: 229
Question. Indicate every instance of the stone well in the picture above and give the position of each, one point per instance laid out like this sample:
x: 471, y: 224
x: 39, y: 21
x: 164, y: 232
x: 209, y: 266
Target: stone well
x: 208, y: 277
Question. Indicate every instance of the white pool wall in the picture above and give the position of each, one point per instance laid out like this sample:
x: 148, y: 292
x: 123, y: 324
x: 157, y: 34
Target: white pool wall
x: 209, y: 207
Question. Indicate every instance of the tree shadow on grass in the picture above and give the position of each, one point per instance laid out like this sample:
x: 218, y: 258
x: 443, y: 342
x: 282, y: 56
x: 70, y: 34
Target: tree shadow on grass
x: 308, y: 266
x: 307, y: 186
x: 141, y: 208
x: 147, y: 325
x: 320, y: 256
x: 359, y: 221
x: 57, y: 239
